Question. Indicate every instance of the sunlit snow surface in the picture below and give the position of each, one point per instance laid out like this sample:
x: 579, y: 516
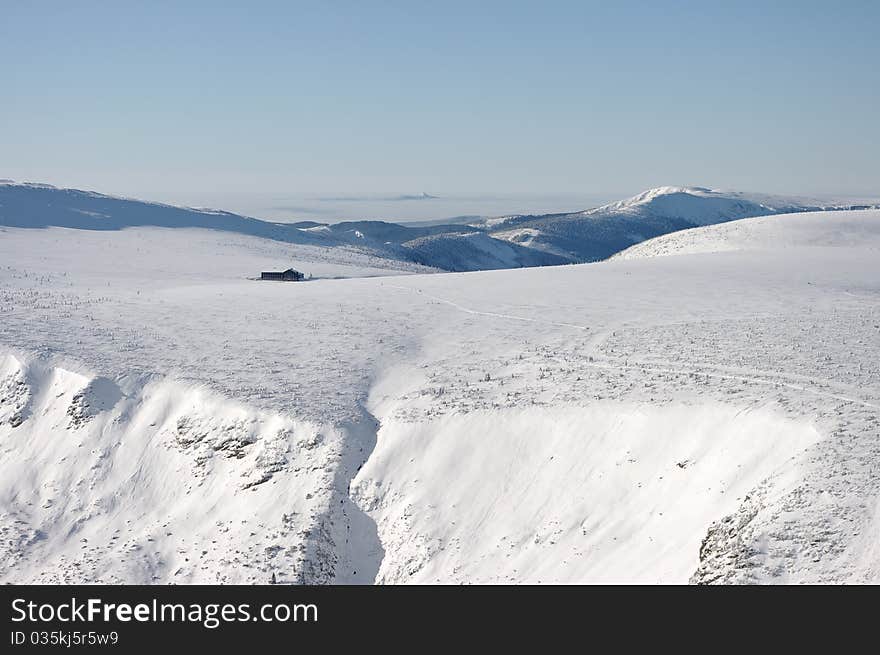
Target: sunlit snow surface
x: 711, y: 416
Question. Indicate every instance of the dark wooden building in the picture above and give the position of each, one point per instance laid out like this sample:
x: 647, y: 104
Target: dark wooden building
x: 290, y: 275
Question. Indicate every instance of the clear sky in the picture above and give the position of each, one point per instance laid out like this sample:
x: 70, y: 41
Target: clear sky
x: 470, y: 97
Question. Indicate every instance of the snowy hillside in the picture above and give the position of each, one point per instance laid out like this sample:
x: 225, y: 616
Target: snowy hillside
x: 701, y: 206
x: 510, y: 242
x: 598, y: 233
x: 704, y: 417
x: 41, y: 206
x: 468, y: 251
x: 854, y: 229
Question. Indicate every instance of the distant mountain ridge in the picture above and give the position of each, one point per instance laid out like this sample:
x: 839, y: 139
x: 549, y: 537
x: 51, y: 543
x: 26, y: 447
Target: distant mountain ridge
x: 596, y: 234
x: 506, y: 242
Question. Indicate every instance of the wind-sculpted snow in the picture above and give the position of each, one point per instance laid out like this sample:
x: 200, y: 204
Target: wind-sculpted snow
x: 705, y: 417
x: 608, y: 493
x: 138, y: 479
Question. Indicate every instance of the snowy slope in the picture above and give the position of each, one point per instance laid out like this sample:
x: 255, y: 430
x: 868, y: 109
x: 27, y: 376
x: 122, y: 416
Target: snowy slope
x: 706, y: 417
x: 469, y: 251
x: 42, y: 206
x: 600, y: 493
x: 852, y: 229
x: 136, y: 478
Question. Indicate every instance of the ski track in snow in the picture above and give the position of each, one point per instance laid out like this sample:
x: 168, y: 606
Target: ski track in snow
x: 638, y: 365
x: 476, y: 312
x: 742, y: 378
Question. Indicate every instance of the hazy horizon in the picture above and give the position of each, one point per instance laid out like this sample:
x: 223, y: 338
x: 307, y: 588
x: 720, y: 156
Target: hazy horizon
x: 337, y: 206
x: 332, y: 207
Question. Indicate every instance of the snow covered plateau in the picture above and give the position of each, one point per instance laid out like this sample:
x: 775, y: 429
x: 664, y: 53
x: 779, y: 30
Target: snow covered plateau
x: 704, y: 407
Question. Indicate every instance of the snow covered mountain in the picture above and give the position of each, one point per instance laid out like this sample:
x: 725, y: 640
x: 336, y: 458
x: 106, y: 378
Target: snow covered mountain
x: 708, y: 416
x: 596, y: 234
x: 510, y: 242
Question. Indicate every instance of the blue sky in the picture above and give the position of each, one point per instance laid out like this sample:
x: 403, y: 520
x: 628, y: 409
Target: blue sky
x: 444, y: 97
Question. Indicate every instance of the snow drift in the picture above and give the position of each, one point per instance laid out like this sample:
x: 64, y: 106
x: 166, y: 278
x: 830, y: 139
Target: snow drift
x: 611, y: 493
x: 145, y: 480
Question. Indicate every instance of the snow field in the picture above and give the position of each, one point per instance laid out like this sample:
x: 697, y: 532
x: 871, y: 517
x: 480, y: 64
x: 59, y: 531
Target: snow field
x: 160, y: 398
